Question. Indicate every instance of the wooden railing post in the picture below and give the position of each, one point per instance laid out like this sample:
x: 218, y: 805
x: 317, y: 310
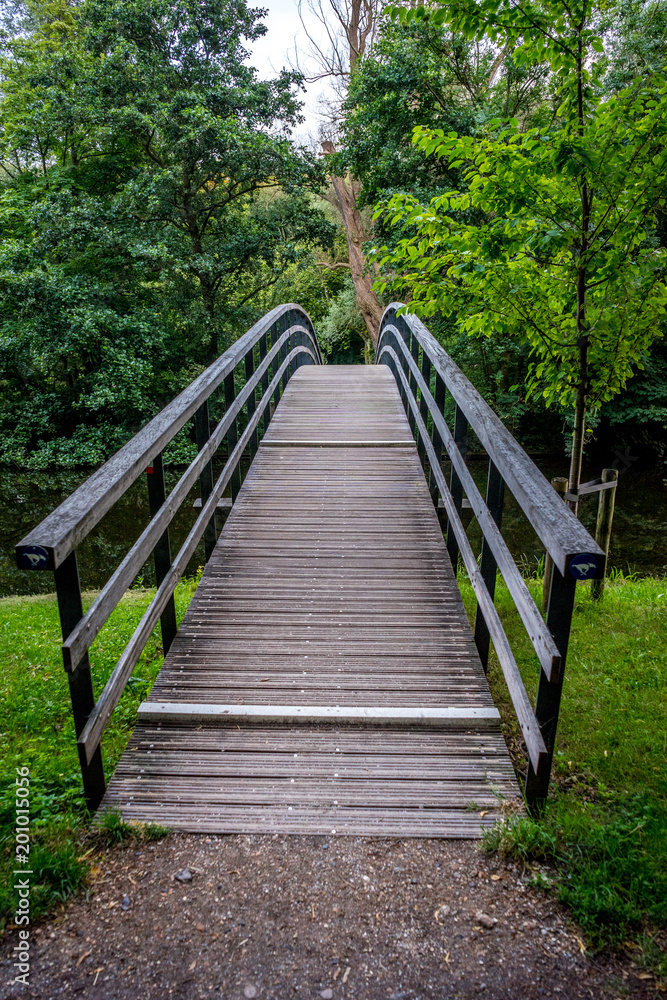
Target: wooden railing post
x: 203, y: 433
x: 162, y: 550
x: 547, y: 705
x: 232, y: 433
x: 68, y: 591
x: 603, y: 526
x: 561, y: 485
x: 456, y: 489
x: 495, y: 496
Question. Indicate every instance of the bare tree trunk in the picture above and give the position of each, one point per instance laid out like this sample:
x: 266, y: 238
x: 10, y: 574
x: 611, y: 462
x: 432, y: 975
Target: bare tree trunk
x: 346, y: 189
x: 586, y: 197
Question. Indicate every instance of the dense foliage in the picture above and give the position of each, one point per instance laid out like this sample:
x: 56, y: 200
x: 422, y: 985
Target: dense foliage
x: 152, y: 205
x: 529, y: 184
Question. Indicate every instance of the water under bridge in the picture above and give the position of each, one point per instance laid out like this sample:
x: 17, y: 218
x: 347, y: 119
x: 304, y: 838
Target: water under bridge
x: 325, y: 677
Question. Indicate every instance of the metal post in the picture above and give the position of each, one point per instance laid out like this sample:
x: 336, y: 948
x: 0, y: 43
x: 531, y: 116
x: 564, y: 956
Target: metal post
x: 68, y: 591
x: 561, y: 485
x: 547, y: 705
x: 203, y: 433
x: 162, y: 550
x: 603, y: 528
x: 232, y: 433
x: 495, y: 496
x: 456, y: 489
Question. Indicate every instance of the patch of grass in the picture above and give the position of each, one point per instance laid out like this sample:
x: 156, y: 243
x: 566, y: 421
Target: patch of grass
x: 36, y: 730
x: 112, y: 829
x: 605, y: 826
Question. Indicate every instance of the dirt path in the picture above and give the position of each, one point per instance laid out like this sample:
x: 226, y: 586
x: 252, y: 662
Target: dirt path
x: 287, y: 917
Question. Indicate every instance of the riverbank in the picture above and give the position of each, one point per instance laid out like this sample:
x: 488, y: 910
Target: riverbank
x: 603, y: 839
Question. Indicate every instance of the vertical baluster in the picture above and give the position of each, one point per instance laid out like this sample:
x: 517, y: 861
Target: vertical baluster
x: 547, y: 704
x: 425, y: 370
x: 423, y: 408
x: 495, y: 496
x: 407, y: 335
x: 68, y: 591
x: 232, y: 433
x: 203, y: 433
x: 439, y: 397
x: 461, y: 441
x: 162, y: 550
x: 275, y: 365
x: 284, y: 350
x: 263, y: 351
x: 252, y: 402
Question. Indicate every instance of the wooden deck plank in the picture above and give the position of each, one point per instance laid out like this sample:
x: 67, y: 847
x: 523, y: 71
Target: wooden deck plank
x: 330, y: 587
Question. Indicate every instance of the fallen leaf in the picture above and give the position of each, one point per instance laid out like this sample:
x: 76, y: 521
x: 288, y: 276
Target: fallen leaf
x: 582, y: 946
x: 346, y: 974
x: 496, y: 878
x: 484, y: 812
x: 191, y: 968
x: 645, y: 975
x: 81, y: 957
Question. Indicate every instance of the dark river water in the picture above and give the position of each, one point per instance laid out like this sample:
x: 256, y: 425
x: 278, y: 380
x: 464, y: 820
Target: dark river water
x: 639, y: 541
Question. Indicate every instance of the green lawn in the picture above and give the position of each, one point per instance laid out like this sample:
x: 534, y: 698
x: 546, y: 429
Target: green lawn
x: 605, y: 827
x: 36, y: 730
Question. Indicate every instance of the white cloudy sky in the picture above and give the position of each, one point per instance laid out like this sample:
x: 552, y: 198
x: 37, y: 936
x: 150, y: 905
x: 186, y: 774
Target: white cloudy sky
x: 270, y: 53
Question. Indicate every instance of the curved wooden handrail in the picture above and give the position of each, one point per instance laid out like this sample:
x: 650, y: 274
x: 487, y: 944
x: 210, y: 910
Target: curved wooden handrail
x: 92, y: 733
x: 272, y: 350
x: 522, y: 707
x: 65, y: 528
x: 562, y: 534
x: 415, y: 358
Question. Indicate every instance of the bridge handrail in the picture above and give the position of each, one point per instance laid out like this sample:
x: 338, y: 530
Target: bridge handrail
x: 89, y: 739
x: 530, y: 729
x: 66, y: 527
x: 414, y: 356
x: 283, y: 340
x: 562, y: 534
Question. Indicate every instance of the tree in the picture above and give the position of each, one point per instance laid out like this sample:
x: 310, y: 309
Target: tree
x: 549, y: 238
x: 151, y: 195
x: 350, y: 27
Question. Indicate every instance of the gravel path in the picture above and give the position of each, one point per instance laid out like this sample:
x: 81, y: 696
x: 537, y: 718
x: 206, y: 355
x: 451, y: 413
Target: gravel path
x: 287, y: 917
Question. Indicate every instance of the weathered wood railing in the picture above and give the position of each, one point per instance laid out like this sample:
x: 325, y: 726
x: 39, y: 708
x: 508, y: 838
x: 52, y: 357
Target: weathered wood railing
x: 425, y: 373
x: 270, y: 351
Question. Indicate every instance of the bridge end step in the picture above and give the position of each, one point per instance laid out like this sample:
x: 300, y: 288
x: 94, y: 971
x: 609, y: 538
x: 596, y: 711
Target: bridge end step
x: 445, y: 717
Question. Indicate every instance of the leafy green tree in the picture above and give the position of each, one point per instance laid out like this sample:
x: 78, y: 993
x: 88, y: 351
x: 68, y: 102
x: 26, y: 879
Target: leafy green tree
x: 561, y: 251
x: 151, y: 199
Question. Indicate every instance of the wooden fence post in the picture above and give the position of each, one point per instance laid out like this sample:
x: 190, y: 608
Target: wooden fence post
x: 603, y: 527
x: 561, y: 485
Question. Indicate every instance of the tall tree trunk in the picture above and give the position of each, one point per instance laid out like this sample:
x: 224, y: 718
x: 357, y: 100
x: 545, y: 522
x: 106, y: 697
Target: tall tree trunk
x: 347, y: 189
x: 586, y: 199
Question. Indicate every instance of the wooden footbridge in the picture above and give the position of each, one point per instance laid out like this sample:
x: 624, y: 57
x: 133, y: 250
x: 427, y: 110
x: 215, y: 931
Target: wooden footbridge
x: 325, y: 678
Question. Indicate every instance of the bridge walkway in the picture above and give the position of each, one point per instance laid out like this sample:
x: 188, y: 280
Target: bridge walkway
x: 324, y: 679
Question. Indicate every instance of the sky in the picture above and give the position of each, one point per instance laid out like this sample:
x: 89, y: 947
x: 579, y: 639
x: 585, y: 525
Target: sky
x: 270, y: 53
